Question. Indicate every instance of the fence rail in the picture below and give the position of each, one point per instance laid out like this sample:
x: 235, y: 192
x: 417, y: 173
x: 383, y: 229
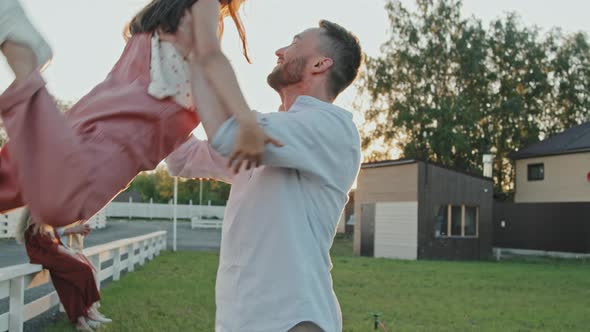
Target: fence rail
x: 126, y: 210
x: 162, y: 211
x: 9, y: 221
x: 14, y: 280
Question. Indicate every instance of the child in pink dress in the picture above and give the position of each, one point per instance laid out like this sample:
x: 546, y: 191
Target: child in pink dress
x: 66, y: 167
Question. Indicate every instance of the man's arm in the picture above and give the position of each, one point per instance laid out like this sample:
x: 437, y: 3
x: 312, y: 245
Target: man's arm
x: 317, y: 142
x: 196, y: 159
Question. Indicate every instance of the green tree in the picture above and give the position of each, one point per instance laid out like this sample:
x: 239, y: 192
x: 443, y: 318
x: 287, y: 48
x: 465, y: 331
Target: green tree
x: 570, y: 64
x: 448, y: 90
x: 159, y: 186
x: 145, y: 184
x: 429, y: 88
x: 519, y: 90
x: 164, y: 185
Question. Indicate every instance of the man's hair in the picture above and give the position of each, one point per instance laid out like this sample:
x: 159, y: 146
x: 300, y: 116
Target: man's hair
x: 344, y: 49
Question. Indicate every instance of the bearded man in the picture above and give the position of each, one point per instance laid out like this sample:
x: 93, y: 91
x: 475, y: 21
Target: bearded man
x: 281, y: 217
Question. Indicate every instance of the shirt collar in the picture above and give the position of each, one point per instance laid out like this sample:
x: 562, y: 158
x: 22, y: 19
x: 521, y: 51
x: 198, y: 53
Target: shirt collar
x: 303, y: 103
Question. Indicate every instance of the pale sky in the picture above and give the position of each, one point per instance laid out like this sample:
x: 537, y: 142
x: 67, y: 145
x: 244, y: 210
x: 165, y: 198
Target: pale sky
x: 86, y: 35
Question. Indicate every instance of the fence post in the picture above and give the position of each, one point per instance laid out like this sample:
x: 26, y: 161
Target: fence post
x: 142, y: 252
x: 131, y: 258
x: 498, y: 254
x: 151, y: 249
x: 95, y: 260
x: 116, y: 264
x: 158, y: 245
x: 17, y: 302
x: 151, y: 208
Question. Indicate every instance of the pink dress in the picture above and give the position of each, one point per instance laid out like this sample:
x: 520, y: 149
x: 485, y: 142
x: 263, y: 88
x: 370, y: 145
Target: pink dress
x: 66, y: 167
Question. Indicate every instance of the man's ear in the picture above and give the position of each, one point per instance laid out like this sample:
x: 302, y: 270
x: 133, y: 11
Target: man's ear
x: 322, y: 64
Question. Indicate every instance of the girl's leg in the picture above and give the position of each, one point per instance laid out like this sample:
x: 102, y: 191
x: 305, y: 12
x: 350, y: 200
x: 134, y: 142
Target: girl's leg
x: 46, y: 154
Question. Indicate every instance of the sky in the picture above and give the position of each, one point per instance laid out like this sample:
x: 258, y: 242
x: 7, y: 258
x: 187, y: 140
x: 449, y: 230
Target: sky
x: 86, y: 35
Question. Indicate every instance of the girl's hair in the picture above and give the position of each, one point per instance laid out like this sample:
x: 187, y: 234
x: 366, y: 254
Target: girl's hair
x: 26, y: 222
x: 165, y: 16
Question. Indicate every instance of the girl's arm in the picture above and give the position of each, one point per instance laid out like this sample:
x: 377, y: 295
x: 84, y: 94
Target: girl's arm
x: 210, y: 63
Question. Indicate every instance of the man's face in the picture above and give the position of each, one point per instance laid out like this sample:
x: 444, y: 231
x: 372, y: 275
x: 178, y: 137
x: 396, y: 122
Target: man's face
x: 294, y: 62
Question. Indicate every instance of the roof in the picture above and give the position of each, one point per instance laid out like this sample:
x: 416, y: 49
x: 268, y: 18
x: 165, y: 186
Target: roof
x: 399, y: 162
x: 573, y: 140
x: 384, y: 163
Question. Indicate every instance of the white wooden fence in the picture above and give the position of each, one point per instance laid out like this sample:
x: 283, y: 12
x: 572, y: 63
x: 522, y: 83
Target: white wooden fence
x: 196, y: 222
x: 15, y: 279
x: 9, y: 221
x: 161, y: 211
x: 128, y: 210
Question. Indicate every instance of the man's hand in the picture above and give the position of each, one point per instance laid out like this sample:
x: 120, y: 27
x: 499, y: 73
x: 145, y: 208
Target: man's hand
x: 249, y: 145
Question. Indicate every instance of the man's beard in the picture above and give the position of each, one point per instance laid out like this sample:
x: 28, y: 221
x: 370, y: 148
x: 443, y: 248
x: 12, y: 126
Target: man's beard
x: 287, y: 74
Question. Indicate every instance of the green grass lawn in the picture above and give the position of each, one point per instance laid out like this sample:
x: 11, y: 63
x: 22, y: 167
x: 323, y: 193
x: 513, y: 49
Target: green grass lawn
x: 176, y: 293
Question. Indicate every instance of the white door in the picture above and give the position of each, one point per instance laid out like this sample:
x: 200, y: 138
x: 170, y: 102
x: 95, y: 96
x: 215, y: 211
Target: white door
x: 396, y: 230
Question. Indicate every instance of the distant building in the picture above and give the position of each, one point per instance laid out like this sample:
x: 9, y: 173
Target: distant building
x: 551, y: 209
x: 412, y: 209
x: 556, y: 169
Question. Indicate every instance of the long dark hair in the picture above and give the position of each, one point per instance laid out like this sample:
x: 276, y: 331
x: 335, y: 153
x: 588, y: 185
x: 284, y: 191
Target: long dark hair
x: 165, y: 15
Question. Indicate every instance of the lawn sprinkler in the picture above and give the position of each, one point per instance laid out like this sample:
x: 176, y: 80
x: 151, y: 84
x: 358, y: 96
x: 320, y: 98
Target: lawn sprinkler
x: 376, y: 320
x: 377, y: 323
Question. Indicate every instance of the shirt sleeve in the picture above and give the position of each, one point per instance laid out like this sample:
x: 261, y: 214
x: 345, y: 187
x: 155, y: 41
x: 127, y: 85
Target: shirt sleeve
x: 317, y: 143
x: 196, y: 159
x: 61, y: 231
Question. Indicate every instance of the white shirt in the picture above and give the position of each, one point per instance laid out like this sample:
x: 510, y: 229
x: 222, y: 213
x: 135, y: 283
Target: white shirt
x: 281, y: 218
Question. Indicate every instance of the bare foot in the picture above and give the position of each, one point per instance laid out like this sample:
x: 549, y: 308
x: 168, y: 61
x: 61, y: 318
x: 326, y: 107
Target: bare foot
x: 20, y: 58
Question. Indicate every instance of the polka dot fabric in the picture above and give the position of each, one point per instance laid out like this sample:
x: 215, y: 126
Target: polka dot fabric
x: 169, y: 73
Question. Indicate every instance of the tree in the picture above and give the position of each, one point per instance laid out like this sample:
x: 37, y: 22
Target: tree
x: 159, y: 186
x: 519, y: 89
x: 447, y: 90
x: 164, y: 184
x: 570, y: 81
x: 429, y: 88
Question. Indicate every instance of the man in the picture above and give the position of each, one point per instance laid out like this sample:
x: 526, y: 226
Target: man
x: 281, y: 218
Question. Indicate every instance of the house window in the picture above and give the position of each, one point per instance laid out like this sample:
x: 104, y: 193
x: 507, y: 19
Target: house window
x: 470, y: 221
x: 536, y: 172
x: 441, y: 221
x: 456, y: 221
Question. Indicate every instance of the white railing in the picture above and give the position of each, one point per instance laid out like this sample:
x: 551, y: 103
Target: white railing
x: 161, y: 211
x: 15, y: 279
x: 10, y: 220
x: 206, y: 223
x: 127, y: 210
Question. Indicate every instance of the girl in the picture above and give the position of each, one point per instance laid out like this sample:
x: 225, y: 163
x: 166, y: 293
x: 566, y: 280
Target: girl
x: 67, y: 167
x: 71, y: 273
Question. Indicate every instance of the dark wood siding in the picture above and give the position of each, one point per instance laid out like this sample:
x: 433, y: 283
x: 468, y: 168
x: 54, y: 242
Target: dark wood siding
x: 440, y: 186
x: 543, y: 226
